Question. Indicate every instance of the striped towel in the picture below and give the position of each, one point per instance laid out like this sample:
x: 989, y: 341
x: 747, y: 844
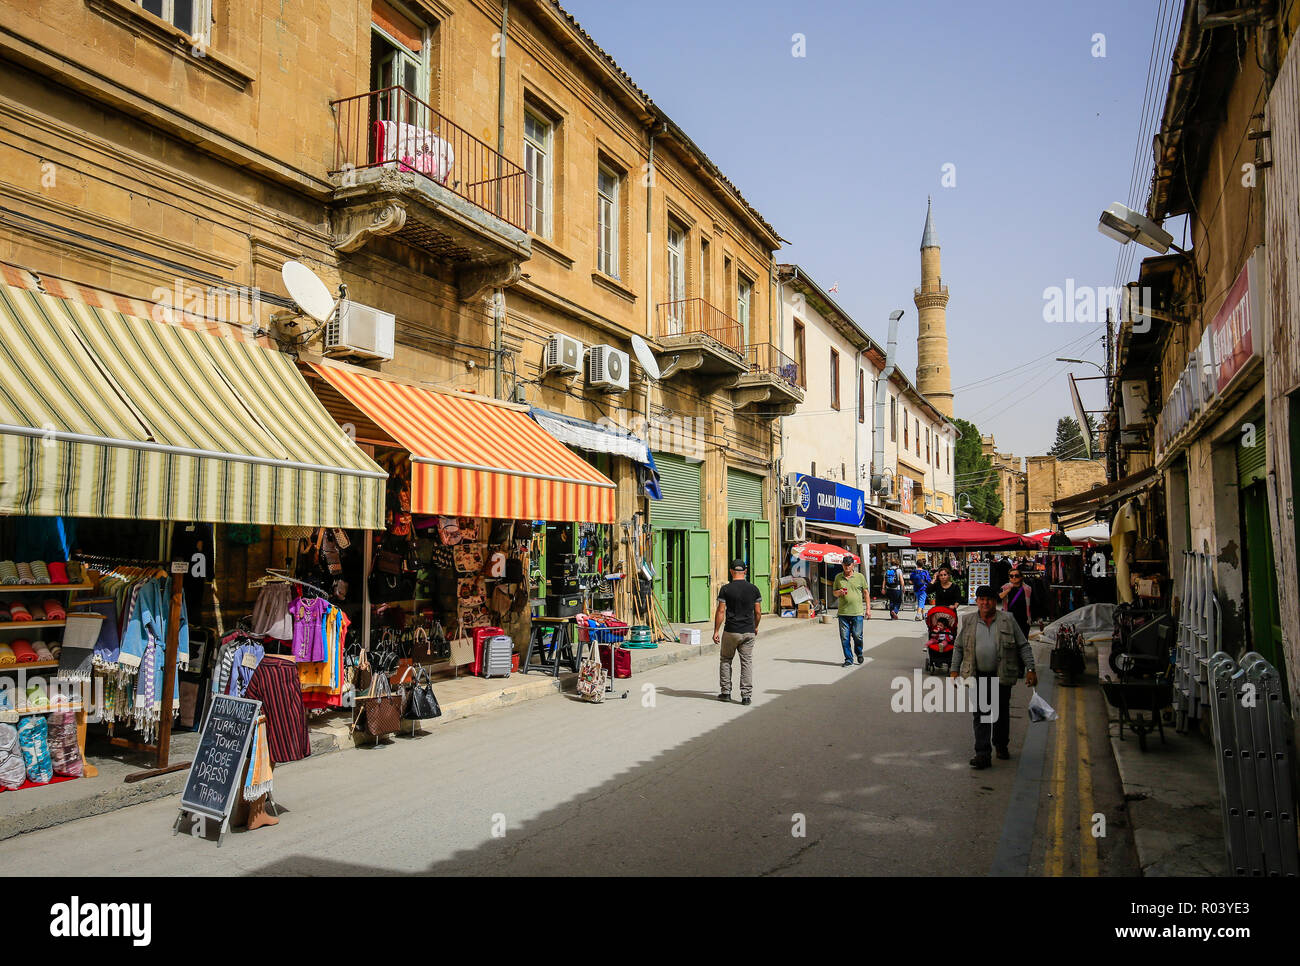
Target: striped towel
x: 42, y: 651
x: 19, y: 612
x: 58, y: 572
x: 54, y: 610
x: 8, y: 572
x: 40, y: 572
x: 258, y: 780
x: 25, y: 575
x: 65, y: 754
x: 7, y: 654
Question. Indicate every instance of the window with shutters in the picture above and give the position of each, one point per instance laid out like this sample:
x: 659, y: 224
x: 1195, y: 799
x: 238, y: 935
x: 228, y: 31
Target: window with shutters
x: 607, y: 218
x: 800, y: 354
x: 538, y: 141
x: 906, y: 443
x: 862, y: 396
x: 835, y: 379
x: 893, y: 420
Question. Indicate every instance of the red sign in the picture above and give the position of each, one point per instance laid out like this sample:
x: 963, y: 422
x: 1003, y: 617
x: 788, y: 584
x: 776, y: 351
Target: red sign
x: 1233, y: 328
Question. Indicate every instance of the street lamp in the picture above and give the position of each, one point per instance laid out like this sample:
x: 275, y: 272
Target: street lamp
x: 963, y: 502
x: 1123, y: 224
x: 1083, y: 362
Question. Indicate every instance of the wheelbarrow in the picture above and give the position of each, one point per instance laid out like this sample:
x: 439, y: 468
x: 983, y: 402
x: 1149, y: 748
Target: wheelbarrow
x: 1149, y: 695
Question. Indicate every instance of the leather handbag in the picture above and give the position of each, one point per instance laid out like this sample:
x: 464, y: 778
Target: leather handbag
x: 421, y: 703
x: 383, y: 714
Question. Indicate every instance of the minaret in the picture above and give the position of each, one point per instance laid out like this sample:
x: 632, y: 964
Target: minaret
x: 933, y: 377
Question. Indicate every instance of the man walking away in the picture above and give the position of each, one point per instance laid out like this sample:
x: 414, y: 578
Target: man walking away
x: 920, y: 584
x: 854, y: 605
x: 991, y: 648
x: 735, y: 627
x: 892, y: 587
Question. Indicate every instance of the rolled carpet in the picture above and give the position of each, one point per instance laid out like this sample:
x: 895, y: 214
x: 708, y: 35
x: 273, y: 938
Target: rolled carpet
x: 33, y: 739
x: 64, y: 751
x: 13, y: 771
x: 24, y: 653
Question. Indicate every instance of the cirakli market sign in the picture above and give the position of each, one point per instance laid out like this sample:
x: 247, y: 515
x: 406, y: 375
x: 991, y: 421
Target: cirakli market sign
x: 1217, y: 368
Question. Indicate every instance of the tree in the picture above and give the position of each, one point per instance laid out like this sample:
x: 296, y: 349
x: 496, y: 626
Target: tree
x: 974, y: 476
x: 1069, y: 439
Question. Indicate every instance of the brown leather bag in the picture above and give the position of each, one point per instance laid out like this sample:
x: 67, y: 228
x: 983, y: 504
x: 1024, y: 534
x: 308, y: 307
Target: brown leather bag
x: 383, y: 711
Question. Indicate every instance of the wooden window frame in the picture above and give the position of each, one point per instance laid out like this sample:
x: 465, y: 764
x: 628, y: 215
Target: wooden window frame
x: 835, y: 379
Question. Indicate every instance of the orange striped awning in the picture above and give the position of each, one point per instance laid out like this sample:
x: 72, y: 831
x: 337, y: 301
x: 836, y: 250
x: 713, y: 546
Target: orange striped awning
x: 476, y: 457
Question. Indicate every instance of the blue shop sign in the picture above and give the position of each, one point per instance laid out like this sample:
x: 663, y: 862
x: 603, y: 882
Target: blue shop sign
x: 829, y: 501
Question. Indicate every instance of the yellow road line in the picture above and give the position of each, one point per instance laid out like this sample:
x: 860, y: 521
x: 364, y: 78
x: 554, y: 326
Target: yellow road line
x: 1087, y: 841
x: 1054, y: 863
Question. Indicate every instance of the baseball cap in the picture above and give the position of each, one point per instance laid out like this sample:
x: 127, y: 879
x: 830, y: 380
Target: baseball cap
x: 985, y: 590
x: 739, y: 564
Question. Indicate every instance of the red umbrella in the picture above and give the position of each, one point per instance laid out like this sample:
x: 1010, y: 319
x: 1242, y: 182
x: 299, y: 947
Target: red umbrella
x: 970, y: 534
x: 821, y: 553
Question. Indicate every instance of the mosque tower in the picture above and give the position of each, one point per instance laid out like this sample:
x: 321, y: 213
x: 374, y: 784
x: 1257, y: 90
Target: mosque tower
x: 933, y: 377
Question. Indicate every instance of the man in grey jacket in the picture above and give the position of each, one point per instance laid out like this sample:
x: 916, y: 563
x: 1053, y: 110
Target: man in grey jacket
x: 991, y: 648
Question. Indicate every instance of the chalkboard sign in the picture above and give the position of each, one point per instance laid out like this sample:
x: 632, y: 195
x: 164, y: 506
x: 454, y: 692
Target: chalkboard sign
x: 213, y: 781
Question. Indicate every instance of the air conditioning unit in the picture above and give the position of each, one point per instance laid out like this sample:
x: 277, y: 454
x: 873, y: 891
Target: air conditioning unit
x: 790, y: 495
x: 1136, y: 401
x: 607, y: 368
x: 791, y: 480
x: 563, y: 354
x: 360, y: 330
x: 794, y: 530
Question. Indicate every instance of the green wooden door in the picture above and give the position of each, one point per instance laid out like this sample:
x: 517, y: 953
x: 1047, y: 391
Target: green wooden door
x: 659, y: 560
x: 699, y: 597
x: 760, y: 560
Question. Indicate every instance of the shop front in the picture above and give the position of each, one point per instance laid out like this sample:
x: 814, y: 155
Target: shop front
x: 681, y: 546
x: 828, y: 509
x: 133, y: 445
x: 749, y: 534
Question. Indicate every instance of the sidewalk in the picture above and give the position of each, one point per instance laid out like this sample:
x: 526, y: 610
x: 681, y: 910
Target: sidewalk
x: 463, y: 697
x: 1172, y: 790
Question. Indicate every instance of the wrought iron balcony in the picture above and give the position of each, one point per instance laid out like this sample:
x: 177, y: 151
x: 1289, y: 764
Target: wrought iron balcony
x: 770, y: 383
x: 402, y: 169
x: 701, y: 337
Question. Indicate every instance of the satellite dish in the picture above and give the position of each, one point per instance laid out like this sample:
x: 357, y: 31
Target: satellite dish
x: 307, y: 290
x: 645, y: 357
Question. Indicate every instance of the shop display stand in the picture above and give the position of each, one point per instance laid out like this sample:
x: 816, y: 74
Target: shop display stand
x: 161, y: 750
x: 561, y: 647
x: 87, y: 770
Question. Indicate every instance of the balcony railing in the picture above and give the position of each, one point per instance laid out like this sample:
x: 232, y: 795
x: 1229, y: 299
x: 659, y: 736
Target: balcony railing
x: 766, y: 358
x: 394, y: 128
x: 698, y: 317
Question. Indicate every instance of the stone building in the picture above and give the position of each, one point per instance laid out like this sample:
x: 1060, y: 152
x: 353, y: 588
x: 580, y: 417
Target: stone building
x: 484, y: 172
x: 1029, y: 486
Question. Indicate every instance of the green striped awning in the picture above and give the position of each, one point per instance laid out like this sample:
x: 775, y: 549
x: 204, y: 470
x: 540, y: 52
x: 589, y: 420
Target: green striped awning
x: 108, y: 415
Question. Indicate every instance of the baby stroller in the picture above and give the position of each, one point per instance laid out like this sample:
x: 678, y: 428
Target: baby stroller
x: 942, y: 623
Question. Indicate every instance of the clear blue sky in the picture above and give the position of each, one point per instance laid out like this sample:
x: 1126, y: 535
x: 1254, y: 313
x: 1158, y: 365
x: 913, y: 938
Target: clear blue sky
x: 839, y: 149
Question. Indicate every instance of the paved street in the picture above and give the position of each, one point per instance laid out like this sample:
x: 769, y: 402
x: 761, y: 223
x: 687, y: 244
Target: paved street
x: 685, y: 786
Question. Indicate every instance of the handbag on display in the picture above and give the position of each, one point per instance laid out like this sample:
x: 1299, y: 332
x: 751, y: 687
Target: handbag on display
x: 469, y: 558
x: 501, y: 531
x: 514, y: 570
x: 502, y: 600
x: 421, y: 703
x: 592, y: 678
x: 449, y: 531
x: 383, y: 713
x: 523, y: 531
x: 469, y: 530
x: 461, y: 647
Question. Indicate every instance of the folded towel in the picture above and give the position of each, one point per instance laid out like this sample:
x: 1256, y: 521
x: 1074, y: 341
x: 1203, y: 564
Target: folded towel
x: 65, y: 754
x: 37, y: 612
x: 42, y: 651
x: 4, y: 613
x: 23, y: 651
x: 8, y: 572
x: 19, y: 612
x: 36, y: 696
x: 75, y: 575
x: 58, y: 572
x: 54, y: 610
x: 7, y: 654
x: 33, y: 739
x: 25, y: 575
x: 13, y: 772
x: 40, y: 572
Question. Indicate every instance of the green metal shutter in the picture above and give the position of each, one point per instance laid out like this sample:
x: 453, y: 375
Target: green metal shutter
x: 1251, y: 462
x: 679, y: 481
x: 744, y: 495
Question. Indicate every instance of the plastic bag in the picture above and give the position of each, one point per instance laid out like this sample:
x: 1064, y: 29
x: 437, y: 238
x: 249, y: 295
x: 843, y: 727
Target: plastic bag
x: 1040, y: 710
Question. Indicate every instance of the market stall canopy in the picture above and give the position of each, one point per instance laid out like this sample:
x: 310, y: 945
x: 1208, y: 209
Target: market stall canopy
x: 859, y: 535
x: 820, y: 553
x: 1090, y: 502
x: 599, y: 438
x: 476, y: 457
x: 970, y: 535
x: 103, y: 414
x: 1097, y: 533
x: 910, y: 522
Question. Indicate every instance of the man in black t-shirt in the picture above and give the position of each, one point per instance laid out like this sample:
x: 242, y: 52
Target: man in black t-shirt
x: 735, y: 627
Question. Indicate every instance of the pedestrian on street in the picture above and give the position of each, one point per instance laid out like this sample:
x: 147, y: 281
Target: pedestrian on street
x: 892, y: 587
x: 735, y: 627
x: 947, y: 593
x: 854, y: 606
x: 991, y: 648
x: 1015, y: 599
x: 920, y: 584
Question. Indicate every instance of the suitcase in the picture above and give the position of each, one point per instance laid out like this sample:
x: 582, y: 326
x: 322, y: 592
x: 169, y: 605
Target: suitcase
x: 481, y: 636
x: 497, y: 656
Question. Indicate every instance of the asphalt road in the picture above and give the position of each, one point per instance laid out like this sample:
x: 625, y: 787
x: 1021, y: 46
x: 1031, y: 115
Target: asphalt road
x: 819, y: 776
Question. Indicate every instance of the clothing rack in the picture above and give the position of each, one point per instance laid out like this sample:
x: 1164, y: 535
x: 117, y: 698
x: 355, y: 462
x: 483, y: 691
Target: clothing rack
x: 277, y: 576
x: 161, y: 751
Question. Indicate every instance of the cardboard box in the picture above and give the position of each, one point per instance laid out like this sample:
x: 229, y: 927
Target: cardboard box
x: 787, y: 601
x: 801, y: 595
x: 806, y: 610
x: 689, y: 637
